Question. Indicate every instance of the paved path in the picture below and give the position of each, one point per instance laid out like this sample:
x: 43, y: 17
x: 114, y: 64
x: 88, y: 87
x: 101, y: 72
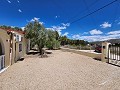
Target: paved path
x: 60, y: 71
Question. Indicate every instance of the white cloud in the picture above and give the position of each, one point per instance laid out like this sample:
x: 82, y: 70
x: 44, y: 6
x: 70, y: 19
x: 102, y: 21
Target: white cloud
x: 105, y: 25
x: 109, y: 35
x: 49, y: 29
x: 19, y: 10
x: 95, y: 32
x: 116, y: 20
x: 65, y: 34
x: 55, y: 28
x: 85, y: 33
x: 8, y: 1
x: 119, y: 23
x: 23, y: 28
x: 91, y: 38
x: 96, y: 37
x: 59, y: 31
x: 18, y: 1
x: 77, y: 36
x: 12, y: 26
x: 66, y: 25
x: 57, y: 17
x: 114, y: 32
x: 60, y: 28
x: 41, y: 23
x: 35, y: 19
x: 27, y: 20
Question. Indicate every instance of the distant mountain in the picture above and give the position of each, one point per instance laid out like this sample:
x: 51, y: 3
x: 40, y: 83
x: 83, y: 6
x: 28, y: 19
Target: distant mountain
x: 112, y: 41
x: 97, y: 42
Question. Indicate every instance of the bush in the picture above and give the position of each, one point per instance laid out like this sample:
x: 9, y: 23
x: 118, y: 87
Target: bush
x: 54, y: 44
x: 49, y: 45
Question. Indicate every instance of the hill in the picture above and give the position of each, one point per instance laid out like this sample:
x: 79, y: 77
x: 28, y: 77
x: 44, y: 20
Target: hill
x: 112, y: 41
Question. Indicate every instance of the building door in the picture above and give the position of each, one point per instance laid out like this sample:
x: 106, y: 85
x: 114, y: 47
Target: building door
x: 15, y: 52
x: 0, y: 49
x: 10, y: 56
x: 2, y: 57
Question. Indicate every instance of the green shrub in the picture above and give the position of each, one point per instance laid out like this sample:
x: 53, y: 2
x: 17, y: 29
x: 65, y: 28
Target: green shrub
x: 54, y: 44
x: 49, y: 45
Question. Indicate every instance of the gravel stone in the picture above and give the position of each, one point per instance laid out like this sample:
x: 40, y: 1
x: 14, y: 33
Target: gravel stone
x: 60, y: 71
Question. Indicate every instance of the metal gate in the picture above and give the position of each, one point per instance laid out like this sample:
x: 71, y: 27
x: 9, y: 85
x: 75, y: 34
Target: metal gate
x: 114, y: 54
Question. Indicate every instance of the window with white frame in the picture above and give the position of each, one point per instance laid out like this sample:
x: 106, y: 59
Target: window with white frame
x: 20, y: 47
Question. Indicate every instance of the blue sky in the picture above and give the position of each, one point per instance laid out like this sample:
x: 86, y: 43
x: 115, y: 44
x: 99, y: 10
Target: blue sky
x: 59, y: 15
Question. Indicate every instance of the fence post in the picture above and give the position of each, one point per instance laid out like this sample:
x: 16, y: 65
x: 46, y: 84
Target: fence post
x: 105, y: 47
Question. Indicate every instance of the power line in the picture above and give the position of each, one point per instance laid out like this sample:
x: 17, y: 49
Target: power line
x: 94, y: 11
x: 88, y: 10
x: 115, y: 15
x: 83, y: 11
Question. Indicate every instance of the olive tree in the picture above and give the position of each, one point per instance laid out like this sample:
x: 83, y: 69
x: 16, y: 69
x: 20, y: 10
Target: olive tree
x: 37, y: 34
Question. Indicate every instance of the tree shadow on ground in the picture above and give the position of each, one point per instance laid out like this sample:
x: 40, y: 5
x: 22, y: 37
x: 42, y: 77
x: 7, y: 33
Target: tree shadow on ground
x: 21, y: 59
x: 97, y: 59
x: 33, y: 53
x: 36, y: 53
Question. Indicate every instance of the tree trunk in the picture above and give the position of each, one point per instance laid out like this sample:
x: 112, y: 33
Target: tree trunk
x: 41, y: 51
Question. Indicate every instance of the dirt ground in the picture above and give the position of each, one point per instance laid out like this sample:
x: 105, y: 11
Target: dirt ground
x: 60, y: 71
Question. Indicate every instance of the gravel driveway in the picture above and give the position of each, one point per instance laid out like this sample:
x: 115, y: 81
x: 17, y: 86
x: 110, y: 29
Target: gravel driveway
x: 60, y: 71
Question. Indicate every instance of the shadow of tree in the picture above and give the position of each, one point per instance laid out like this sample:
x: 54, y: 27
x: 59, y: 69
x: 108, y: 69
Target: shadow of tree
x: 33, y: 53
x: 21, y: 59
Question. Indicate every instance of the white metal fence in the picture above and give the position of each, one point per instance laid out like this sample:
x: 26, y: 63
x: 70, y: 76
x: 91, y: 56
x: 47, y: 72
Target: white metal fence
x: 114, y: 54
x: 2, y: 62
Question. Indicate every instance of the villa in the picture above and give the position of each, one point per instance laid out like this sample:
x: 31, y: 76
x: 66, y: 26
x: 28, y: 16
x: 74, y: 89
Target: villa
x: 13, y: 46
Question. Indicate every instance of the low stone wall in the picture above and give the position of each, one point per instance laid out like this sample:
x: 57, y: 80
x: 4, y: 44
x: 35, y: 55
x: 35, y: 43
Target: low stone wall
x: 84, y: 52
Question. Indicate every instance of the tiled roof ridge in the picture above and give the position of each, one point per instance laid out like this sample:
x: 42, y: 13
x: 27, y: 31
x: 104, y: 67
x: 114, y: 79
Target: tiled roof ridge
x: 9, y: 30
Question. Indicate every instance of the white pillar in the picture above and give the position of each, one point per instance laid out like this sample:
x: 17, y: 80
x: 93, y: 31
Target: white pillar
x: 105, y: 47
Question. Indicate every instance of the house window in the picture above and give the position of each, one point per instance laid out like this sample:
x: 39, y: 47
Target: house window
x: 20, y: 47
x: 21, y: 39
x: 17, y: 38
